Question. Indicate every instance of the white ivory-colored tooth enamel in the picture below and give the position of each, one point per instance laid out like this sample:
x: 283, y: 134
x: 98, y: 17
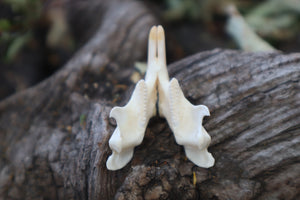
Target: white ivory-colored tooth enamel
x: 184, y: 118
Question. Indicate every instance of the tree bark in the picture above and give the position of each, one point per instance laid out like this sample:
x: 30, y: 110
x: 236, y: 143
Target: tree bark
x: 54, y: 136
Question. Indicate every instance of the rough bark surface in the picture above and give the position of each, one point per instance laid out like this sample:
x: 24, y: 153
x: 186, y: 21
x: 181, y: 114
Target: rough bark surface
x: 54, y: 136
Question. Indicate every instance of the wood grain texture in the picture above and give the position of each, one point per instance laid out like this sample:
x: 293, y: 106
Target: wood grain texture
x: 49, y: 134
x: 54, y: 136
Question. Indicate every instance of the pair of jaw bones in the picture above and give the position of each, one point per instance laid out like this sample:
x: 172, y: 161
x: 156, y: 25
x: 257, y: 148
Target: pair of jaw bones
x: 184, y: 119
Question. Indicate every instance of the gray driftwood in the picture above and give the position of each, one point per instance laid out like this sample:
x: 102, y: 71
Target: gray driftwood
x: 54, y: 136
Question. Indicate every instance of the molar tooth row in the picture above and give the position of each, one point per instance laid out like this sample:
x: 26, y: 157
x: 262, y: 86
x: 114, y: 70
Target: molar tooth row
x: 132, y: 119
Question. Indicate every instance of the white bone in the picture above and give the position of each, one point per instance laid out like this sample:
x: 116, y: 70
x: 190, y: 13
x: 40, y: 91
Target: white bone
x: 184, y: 118
x: 133, y: 118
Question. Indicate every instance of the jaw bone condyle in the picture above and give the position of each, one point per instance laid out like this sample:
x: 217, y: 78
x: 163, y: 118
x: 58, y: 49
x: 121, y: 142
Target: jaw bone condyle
x: 184, y: 119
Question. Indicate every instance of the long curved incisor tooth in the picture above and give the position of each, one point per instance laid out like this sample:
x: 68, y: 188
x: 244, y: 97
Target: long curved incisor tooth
x: 161, y: 46
x: 152, y: 45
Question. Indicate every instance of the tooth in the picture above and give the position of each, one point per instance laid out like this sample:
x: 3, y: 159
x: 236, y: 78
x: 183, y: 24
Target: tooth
x: 152, y: 44
x: 161, y: 49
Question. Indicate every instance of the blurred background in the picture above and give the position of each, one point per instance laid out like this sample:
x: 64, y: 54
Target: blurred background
x: 37, y: 37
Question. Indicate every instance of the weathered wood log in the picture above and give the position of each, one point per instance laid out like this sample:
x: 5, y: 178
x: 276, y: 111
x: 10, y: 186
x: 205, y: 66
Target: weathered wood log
x: 46, y: 118
x: 54, y: 136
